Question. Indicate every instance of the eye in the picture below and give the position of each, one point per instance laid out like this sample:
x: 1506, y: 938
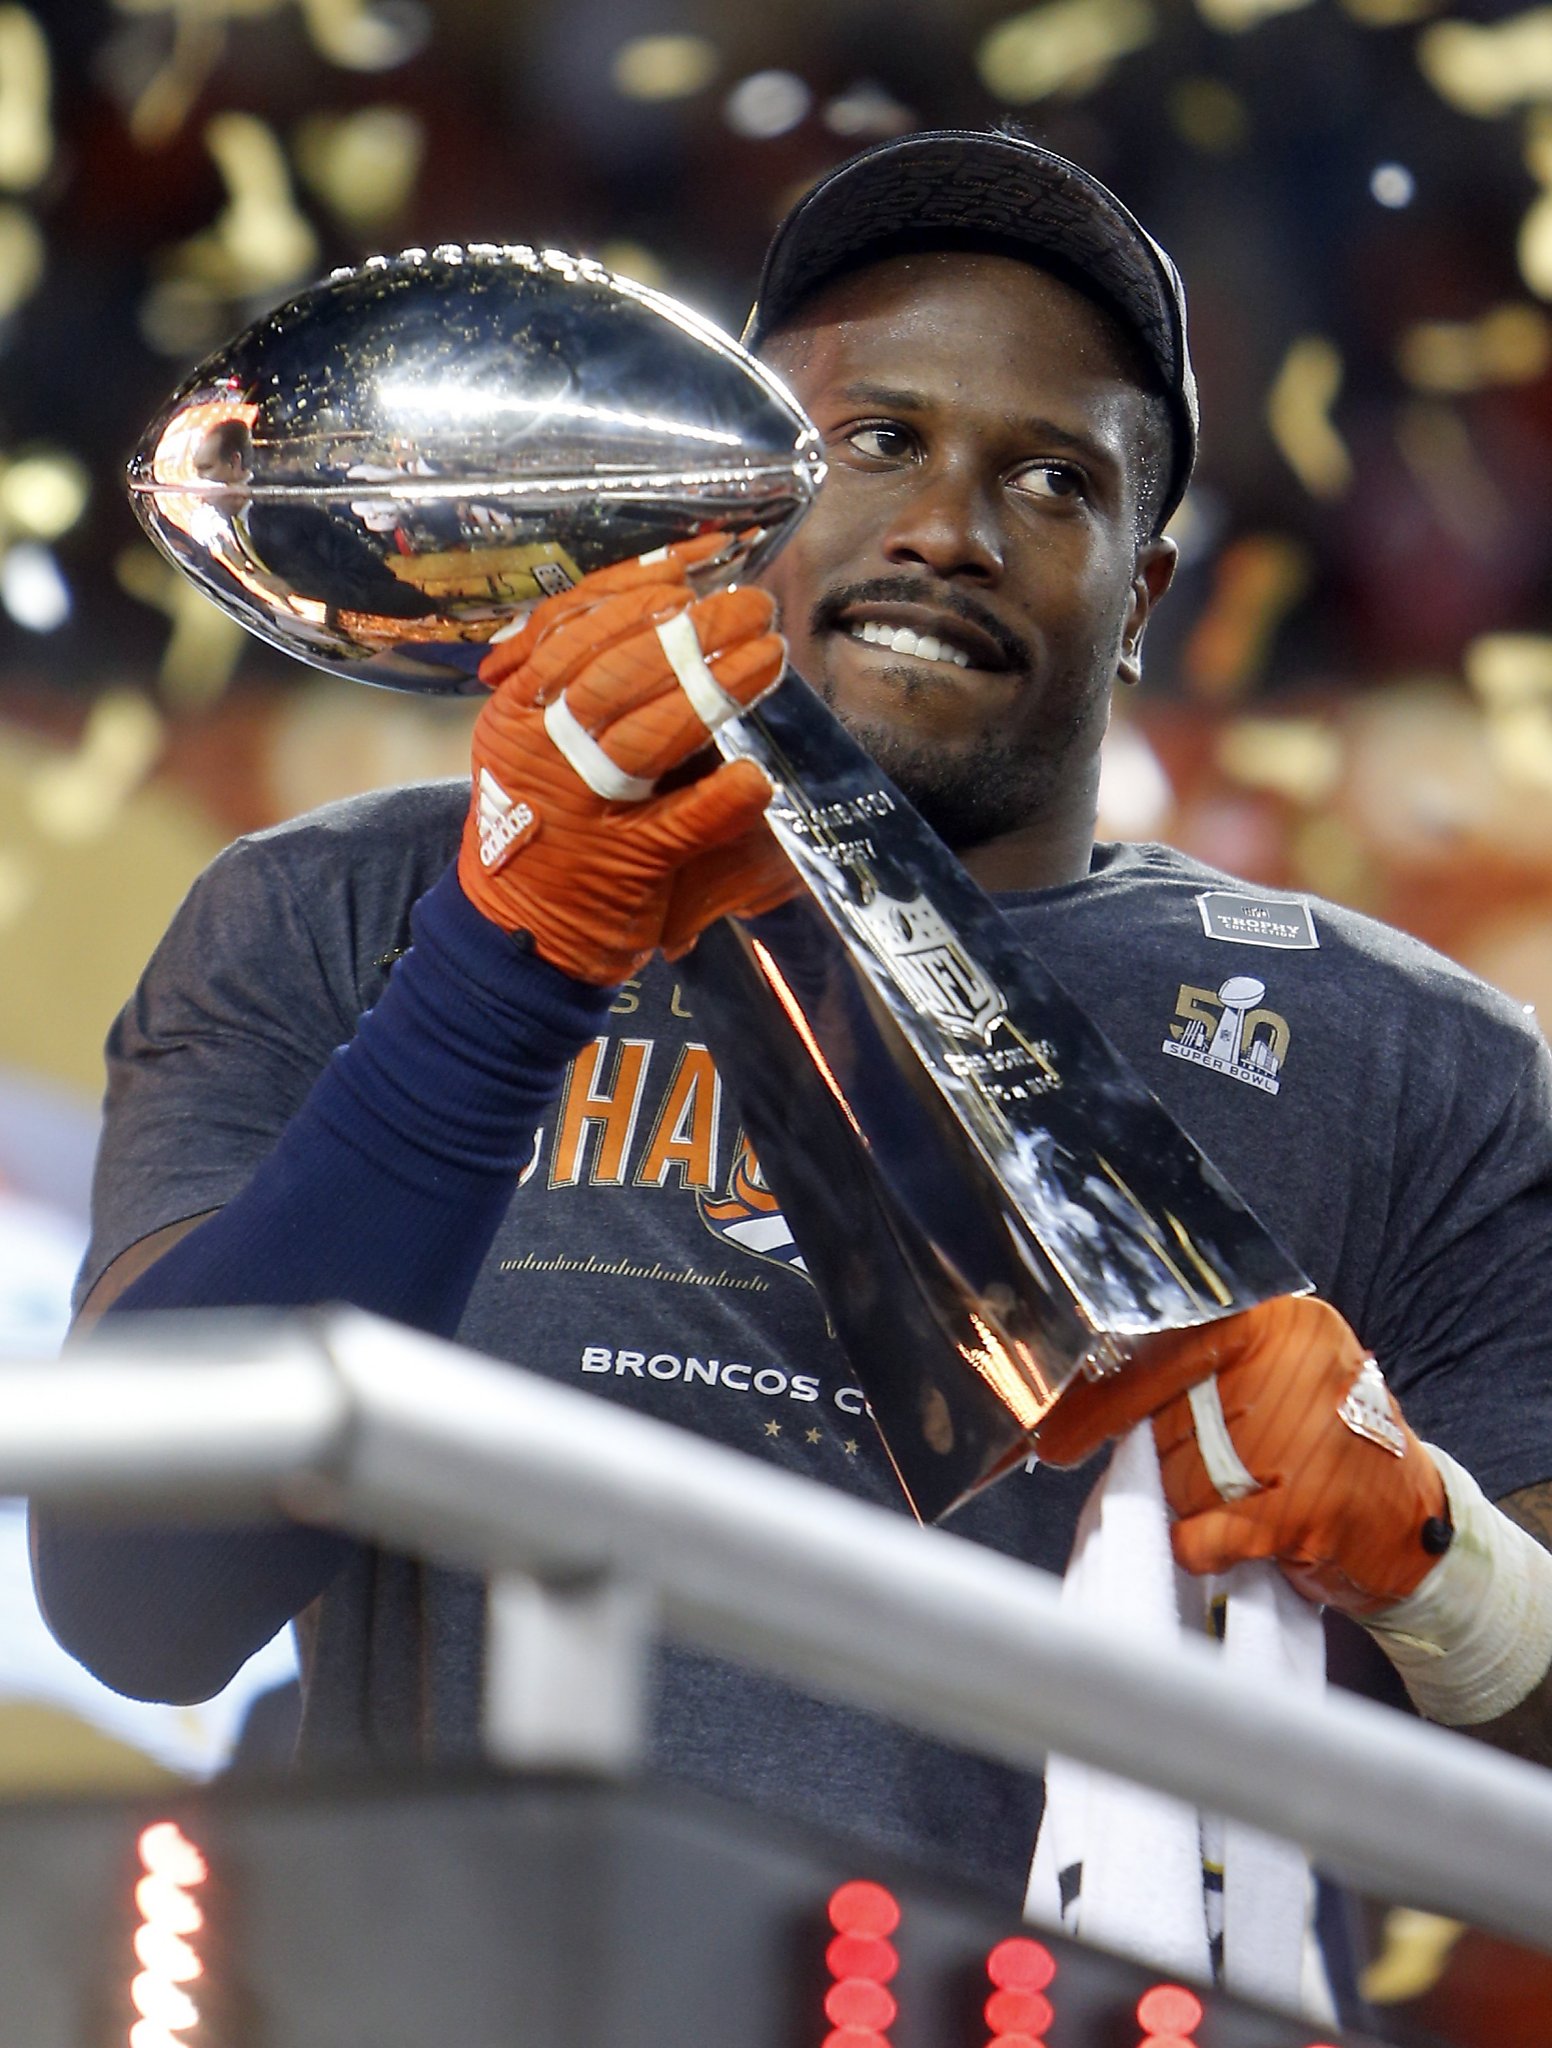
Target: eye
x: 1051, y: 480
x: 883, y: 441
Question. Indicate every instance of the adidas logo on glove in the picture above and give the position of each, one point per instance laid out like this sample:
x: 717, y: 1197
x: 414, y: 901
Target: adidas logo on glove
x: 503, y: 821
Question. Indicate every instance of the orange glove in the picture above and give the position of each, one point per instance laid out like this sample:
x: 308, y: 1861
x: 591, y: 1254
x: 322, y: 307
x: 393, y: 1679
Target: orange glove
x: 1277, y: 1439
x: 741, y: 880
x: 569, y: 837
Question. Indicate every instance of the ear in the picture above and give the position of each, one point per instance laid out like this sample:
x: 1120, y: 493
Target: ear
x: 1152, y: 576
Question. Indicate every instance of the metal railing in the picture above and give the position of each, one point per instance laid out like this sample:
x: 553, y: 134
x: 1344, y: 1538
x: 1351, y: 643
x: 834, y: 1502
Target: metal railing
x: 598, y: 1527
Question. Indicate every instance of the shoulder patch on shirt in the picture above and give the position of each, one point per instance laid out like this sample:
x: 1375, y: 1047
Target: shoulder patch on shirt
x: 1229, y: 1030
x: 1285, y: 921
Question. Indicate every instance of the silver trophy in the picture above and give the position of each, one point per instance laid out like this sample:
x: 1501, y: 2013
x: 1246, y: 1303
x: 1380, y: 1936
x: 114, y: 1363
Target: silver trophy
x: 388, y: 469
x: 393, y: 467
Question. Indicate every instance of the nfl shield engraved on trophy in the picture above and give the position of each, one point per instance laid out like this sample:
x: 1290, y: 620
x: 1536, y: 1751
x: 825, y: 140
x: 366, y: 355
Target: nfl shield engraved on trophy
x: 928, y: 963
x: 391, y: 467
x: 399, y: 462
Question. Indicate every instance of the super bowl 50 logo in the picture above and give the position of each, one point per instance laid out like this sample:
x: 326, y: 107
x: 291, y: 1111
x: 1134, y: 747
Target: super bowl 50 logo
x: 1230, y: 1030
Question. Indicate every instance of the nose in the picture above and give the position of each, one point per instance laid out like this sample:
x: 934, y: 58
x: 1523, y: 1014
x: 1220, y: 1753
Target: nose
x: 949, y: 526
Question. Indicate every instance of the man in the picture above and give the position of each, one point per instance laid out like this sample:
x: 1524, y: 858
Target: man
x: 994, y: 353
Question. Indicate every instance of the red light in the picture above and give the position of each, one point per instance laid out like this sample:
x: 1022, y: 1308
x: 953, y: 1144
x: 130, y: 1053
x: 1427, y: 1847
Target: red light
x: 862, y: 1955
x: 855, y: 2002
x: 1168, y: 2009
x: 1018, y: 2012
x: 864, y: 1908
x: 861, y: 1960
x: 172, y: 1867
x: 1019, y: 1964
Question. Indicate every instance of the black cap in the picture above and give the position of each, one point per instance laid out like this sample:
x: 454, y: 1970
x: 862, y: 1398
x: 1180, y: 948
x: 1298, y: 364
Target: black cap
x: 949, y: 188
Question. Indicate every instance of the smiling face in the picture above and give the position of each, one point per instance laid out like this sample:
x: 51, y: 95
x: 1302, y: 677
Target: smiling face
x: 971, y: 583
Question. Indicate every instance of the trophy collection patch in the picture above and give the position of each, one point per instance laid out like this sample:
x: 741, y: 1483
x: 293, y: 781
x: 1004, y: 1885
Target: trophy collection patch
x: 1285, y: 921
x: 1230, y: 1030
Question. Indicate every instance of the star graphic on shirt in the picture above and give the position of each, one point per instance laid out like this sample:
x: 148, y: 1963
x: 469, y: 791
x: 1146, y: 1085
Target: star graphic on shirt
x: 813, y: 1436
x: 850, y: 1447
x: 773, y: 1428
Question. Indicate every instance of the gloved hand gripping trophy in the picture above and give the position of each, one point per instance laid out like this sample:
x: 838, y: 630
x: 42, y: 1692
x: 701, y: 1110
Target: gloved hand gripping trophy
x: 1278, y: 1439
x: 583, y: 831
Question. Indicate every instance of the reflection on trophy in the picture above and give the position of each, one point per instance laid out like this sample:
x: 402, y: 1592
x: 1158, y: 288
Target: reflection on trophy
x: 389, y: 470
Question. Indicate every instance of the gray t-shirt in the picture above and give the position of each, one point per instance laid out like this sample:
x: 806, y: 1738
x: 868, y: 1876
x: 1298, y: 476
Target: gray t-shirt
x: 1387, y: 1115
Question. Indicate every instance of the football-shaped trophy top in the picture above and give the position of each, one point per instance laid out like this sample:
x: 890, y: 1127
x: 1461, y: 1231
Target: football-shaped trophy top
x: 398, y: 462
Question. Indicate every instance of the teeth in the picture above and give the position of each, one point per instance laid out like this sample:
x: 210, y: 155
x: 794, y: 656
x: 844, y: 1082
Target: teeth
x: 901, y: 640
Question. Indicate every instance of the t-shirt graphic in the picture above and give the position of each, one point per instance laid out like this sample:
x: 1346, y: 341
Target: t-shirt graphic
x: 746, y: 1213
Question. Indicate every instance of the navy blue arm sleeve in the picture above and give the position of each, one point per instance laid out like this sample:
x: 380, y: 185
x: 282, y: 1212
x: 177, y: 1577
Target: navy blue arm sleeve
x: 384, y: 1190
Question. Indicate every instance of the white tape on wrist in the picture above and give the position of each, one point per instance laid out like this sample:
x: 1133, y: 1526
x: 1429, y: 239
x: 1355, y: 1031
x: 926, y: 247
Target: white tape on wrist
x: 681, y: 643
x: 603, y: 777
x: 1476, y: 1637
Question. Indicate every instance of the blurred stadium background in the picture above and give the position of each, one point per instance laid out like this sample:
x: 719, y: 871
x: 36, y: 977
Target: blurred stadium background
x: 1349, y: 693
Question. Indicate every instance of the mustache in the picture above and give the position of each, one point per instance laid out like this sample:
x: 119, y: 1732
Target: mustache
x: 831, y: 608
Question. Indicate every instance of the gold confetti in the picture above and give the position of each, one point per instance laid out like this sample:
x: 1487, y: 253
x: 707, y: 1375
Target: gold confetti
x: 362, y: 165
x: 346, y: 32
x: 26, y: 136
x: 1066, y: 46
x: 635, y: 260
x: 1256, y: 582
x: 42, y: 495
x: 1534, y: 246
x: 1209, y: 115
x: 1519, y: 740
x: 1298, y: 410
x: 1509, y: 670
x: 1510, y: 345
x: 202, y: 653
x: 359, y: 38
x: 1486, y: 69
x: 79, y: 799
x: 205, y: 644
x: 21, y: 258
x: 1510, y: 674
x: 1390, y: 13
x: 182, y: 316
x: 1235, y: 17
x: 259, y: 242
x: 1299, y: 758
x: 1538, y: 146
x: 866, y: 112
x: 665, y: 67
x: 165, y: 101
x: 203, y: 10
x: 1414, y: 1948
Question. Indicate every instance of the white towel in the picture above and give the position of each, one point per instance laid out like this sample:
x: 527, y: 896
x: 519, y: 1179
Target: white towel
x: 1142, y: 1853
